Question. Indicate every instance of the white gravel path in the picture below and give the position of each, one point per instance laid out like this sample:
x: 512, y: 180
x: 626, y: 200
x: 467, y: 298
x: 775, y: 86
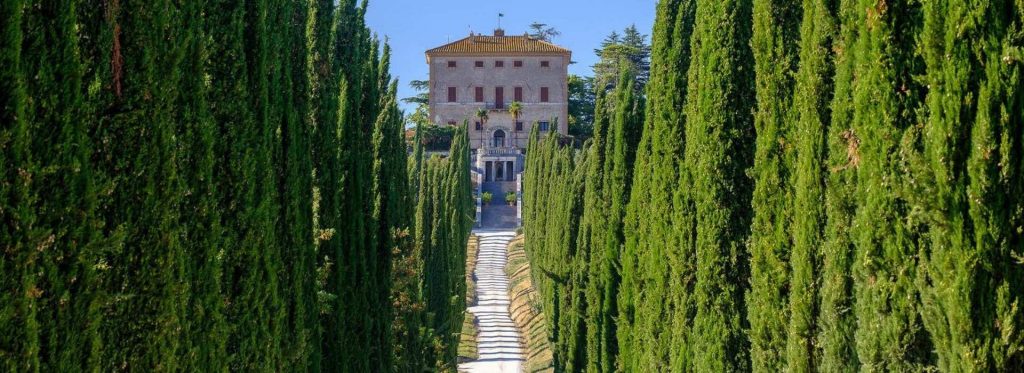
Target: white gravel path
x: 499, y: 344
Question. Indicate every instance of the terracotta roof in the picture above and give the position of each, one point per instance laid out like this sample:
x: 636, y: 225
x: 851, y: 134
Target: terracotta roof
x: 481, y: 44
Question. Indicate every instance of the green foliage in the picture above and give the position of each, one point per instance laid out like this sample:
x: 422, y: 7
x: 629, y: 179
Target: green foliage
x: 626, y: 51
x: 192, y: 187
x: 864, y: 216
x: 581, y: 107
x: 774, y: 43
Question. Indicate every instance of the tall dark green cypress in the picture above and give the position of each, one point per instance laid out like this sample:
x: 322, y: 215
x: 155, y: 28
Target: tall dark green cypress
x: 591, y: 230
x: 719, y: 149
x: 774, y: 44
x: 964, y: 281
x: 206, y: 331
x: 889, y: 335
x: 656, y: 222
x: 811, y: 122
x: 836, y: 298
x: 623, y: 137
x: 296, y: 190
x: 53, y: 193
x: 19, y: 332
x: 144, y: 279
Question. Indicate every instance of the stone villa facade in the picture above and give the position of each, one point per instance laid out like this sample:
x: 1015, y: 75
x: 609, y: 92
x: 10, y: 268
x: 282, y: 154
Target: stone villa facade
x: 491, y: 72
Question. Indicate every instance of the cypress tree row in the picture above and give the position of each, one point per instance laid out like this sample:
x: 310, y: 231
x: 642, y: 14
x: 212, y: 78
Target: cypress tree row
x: 877, y: 187
x: 443, y: 220
x: 575, y: 236
x: 208, y: 186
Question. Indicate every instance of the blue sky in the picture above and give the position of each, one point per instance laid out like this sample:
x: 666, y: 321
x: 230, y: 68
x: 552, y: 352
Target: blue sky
x: 413, y: 26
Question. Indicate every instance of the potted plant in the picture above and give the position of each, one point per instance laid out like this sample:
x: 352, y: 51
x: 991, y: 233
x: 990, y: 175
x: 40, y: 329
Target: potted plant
x: 510, y: 197
x: 486, y: 197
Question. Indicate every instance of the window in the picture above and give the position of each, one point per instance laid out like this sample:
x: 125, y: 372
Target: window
x: 499, y: 63
x: 544, y: 126
x: 517, y: 63
x: 519, y: 126
x: 452, y: 96
x: 479, y: 94
x: 479, y: 64
x: 543, y: 94
x: 452, y: 64
x: 545, y: 63
x: 478, y: 126
x: 518, y: 93
x: 451, y: 123
x: 499, y: 97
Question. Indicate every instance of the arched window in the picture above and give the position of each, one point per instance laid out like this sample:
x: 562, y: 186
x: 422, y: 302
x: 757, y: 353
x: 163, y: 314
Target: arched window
x: 499, y: 139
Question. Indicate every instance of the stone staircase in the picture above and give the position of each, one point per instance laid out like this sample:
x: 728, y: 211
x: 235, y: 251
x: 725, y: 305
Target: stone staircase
x: 499, y: 344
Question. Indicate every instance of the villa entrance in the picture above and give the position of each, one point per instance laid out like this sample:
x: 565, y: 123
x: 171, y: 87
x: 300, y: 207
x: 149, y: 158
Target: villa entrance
x: 500, y: 171
x: 499, y: 139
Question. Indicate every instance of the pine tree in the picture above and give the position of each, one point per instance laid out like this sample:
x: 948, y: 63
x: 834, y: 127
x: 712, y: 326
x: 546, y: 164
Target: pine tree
x: 773, y: 43
x: 719, y: 146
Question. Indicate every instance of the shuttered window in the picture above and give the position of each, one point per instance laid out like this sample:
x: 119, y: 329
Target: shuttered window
x: 543, y: 94
x: 479, y: 94
x: 518, y: 94
x: 452, y: 97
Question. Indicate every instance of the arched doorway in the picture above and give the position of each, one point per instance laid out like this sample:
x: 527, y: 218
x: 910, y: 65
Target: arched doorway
x: 499, y: 139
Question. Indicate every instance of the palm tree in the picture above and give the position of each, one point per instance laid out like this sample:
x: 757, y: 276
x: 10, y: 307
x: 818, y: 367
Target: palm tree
x: 481, y: 114
x: 515, y: 109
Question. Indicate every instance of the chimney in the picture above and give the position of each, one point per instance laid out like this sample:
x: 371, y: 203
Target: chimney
x: 499, y: 32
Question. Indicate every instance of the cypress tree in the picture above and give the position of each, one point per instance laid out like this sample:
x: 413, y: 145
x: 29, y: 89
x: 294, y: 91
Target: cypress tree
x: 889, y: 334
x: 811, y: 122
x: 302, y: 335
x: 51, y: 213
x: 773, y: 43
x: 145, y: 282
x: 719, y: 136
x: 240, y: 103
x: 964, y: 282
x: 623, y: 137
x: 206, y: 331
x: 19, y: 332
x: 836, y: 322
x: 655, y: 312
x: 591, y: 231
